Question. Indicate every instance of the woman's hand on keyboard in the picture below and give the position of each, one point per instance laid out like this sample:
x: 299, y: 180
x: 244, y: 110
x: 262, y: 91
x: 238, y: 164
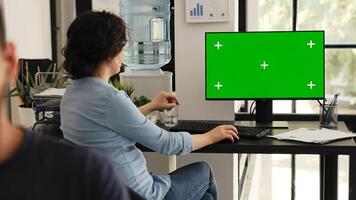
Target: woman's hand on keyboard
x: 215, y: 135
x: 223, y: 132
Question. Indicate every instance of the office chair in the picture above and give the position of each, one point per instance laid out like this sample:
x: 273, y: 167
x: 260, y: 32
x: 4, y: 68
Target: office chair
x: 133, y: 195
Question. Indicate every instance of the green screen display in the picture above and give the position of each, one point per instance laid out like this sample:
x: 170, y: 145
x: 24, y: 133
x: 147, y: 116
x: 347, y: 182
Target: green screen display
x: 264, y: 65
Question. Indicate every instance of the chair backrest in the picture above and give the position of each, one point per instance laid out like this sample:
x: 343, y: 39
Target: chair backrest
x: 66, y: 142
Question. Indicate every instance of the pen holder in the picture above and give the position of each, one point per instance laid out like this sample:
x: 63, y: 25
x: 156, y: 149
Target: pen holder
x: 328, y: 116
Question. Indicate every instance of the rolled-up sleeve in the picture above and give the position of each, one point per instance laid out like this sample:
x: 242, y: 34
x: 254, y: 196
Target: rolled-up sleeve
x: 124, y: 118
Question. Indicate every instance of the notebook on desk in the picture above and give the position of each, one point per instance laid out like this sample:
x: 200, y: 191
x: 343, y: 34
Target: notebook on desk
x: 51, y: 92
x: 312, y: 135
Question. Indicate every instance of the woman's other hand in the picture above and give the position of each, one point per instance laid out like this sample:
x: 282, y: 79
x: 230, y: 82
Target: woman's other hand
x: 165, y: 100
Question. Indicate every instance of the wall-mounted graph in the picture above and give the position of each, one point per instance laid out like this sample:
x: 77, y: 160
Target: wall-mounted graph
x: 206, y: 11
x: 197, y: 11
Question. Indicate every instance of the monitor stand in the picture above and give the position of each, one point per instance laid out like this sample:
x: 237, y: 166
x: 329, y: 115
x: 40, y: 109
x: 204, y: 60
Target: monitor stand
x: 264, y: 117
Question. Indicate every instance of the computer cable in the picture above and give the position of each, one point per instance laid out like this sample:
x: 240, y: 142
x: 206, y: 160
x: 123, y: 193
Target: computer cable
x: 252, y: 111
x: 253, y: 102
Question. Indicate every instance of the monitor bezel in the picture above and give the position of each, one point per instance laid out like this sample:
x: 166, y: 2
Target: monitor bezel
x: 261, y: 98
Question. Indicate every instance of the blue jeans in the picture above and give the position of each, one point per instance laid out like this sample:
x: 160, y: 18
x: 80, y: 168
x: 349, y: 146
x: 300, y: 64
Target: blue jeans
x: 193, y: 182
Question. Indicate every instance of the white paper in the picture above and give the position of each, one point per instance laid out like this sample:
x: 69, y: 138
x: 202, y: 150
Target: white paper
x: 51, y: 92
x: 319, y: 136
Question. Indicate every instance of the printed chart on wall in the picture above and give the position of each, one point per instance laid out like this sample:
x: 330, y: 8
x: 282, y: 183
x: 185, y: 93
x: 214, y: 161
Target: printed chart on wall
x: 198, y: 11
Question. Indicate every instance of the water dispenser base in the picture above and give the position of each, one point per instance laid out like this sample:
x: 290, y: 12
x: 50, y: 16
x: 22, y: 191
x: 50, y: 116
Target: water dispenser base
x: 148, y: 84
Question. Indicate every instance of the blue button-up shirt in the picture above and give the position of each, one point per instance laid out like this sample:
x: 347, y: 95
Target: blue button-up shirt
x: 95, y: 114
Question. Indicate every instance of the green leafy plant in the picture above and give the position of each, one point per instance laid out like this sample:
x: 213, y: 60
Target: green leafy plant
x: 140, y: 101
x: 60, y: 81
x: 54, y: 77
x: 23, y: 88
x: 128, y: 87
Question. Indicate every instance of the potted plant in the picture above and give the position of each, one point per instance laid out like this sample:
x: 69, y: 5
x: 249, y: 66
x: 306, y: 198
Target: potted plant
x: 129, y: 88
x: 25, y: 87
x: 22, y: 89
x: 140, y: 101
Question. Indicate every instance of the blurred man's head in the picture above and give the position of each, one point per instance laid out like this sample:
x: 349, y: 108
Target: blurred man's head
x: 8, y: 67
x: 2, y: 47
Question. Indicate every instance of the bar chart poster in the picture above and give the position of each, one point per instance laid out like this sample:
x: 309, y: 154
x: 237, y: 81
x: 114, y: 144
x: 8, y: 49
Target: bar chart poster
x: 198, y: 11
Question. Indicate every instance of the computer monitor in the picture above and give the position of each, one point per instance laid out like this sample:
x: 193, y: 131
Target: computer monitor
x: 263, y: 66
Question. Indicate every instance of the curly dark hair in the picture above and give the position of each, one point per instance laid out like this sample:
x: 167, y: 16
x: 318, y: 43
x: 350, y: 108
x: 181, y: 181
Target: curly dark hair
x: 92, y: 38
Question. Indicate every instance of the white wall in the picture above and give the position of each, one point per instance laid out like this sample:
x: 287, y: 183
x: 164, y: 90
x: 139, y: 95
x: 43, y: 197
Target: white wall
x: 190, y: 87
x: 108, y: 5
x: 28, y: 25
x: 190, y: 70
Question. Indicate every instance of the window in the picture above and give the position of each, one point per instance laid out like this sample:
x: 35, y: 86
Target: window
x: 274, y: 15
x: 338, y: 19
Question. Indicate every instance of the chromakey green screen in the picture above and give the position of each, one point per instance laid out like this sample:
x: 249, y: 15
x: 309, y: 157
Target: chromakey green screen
x: 264, y: 65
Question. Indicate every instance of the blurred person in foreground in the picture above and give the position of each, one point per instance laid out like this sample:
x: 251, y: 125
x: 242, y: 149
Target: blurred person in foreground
x: 36, y: 167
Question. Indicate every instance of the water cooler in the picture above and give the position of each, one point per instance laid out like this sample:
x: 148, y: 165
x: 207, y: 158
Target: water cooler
x: 148, y: 47
x: 147, y: 50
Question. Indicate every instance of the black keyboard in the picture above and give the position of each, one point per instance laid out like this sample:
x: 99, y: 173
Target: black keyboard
x: 201, y: 127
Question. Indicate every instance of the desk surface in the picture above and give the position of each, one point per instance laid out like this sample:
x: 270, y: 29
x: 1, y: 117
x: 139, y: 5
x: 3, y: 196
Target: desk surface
x: 270, y: 145
x: 329, y: 151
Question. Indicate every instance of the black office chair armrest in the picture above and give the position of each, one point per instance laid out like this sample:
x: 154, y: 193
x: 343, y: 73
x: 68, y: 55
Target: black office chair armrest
x: 66, y: 142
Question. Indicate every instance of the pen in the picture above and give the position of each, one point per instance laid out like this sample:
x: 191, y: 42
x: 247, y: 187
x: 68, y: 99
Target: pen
x: 322, y: 104
x: 329, y: 116
x: 39, y: 81
x: 324, y: 112
x: 54, y: 71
